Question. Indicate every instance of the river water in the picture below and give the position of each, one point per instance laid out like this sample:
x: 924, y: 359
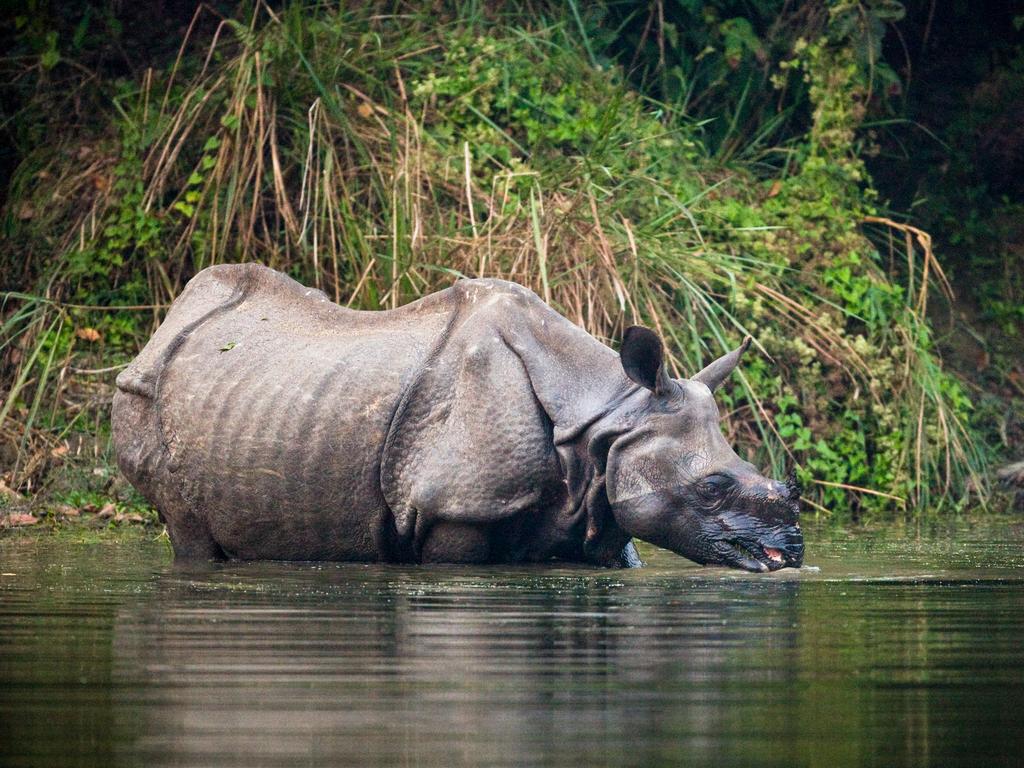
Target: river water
x: 897, y: 648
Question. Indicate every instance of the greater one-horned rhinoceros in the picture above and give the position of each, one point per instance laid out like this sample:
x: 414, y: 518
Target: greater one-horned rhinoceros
x: 475, y: 425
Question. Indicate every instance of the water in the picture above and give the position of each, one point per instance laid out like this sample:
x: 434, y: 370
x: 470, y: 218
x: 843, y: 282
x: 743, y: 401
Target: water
x: 892, y: 649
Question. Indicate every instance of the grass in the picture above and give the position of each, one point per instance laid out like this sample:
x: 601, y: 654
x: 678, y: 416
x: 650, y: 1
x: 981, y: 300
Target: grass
x: 380, y: 156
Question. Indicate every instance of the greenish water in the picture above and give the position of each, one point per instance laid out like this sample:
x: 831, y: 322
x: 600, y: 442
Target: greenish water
x: 897, y: 649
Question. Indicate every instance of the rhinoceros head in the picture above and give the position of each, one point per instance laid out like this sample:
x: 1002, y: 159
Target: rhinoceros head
x: 674, y: 481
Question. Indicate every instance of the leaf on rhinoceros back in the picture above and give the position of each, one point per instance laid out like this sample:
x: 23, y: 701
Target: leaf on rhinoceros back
x: 229, y: 346
x: 88, y: 334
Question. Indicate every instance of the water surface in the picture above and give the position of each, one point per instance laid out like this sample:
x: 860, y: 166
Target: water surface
x: 902, y: 648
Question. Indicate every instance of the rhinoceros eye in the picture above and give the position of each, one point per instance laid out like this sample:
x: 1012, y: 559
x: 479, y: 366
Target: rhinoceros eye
x: 715, y: 486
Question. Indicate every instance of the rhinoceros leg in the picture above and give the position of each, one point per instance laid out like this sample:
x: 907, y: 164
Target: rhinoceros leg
x: 189, y: 534
x: 449, y: 542
x: 144, y: 460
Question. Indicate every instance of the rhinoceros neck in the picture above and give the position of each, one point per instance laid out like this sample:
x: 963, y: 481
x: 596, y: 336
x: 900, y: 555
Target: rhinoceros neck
x: 582, y: 388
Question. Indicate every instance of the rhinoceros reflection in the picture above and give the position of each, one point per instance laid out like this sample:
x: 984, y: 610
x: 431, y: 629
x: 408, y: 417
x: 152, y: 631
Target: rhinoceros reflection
x: 375, y: 666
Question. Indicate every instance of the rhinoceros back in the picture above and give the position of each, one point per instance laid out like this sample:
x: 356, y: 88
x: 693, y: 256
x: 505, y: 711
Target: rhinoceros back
x: 272, y: 406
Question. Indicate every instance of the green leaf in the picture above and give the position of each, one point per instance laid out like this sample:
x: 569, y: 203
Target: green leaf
x: 888, y: 10
x: 50, y: 59
x: 229, y: 346
x: 80, y: 31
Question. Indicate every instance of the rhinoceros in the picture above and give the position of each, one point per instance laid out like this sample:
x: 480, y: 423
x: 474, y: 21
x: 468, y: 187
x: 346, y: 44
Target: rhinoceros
x: 476, y: 425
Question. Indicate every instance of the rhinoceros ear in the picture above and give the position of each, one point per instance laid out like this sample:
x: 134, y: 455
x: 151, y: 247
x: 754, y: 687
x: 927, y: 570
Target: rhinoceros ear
x: 643, y: 359
x: 717, y: 372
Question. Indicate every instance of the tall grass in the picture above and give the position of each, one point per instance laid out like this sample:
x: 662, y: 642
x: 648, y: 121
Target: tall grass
x: 339, y: 146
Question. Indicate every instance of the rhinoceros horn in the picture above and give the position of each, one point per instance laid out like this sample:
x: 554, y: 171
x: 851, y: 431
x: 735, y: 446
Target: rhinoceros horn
x: 717, y: 372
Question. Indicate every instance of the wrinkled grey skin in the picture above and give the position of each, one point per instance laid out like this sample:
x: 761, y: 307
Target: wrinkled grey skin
x: 473, y: 426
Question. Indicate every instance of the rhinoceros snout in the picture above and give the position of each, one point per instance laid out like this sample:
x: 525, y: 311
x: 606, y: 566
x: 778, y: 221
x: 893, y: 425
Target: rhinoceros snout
x: 785, y: 549
x: 781, y: 548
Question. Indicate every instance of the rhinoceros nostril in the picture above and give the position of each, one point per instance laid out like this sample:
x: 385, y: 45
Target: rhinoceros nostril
x: 794, y: 554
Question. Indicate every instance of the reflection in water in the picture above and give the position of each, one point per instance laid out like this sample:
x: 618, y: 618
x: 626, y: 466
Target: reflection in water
x: 116, y: 658
x: 374, y: 665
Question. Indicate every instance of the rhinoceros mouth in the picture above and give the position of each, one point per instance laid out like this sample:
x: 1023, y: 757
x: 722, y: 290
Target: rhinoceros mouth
x: 757, y: 557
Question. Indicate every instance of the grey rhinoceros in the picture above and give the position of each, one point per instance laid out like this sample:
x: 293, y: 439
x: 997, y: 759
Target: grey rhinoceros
x: 476, y: 425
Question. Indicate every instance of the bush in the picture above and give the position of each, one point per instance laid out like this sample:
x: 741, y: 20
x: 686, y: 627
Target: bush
x: 380, y: 156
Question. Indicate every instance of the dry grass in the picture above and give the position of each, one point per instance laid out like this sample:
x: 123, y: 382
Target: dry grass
x: 255, y: 149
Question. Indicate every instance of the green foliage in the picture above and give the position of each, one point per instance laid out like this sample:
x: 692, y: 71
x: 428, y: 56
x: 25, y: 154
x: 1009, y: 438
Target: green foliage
x: 723, y: 63
x: 381, y: 156
x: 955, y: 161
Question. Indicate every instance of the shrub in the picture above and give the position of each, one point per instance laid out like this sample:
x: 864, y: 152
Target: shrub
x: 380, y: 156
